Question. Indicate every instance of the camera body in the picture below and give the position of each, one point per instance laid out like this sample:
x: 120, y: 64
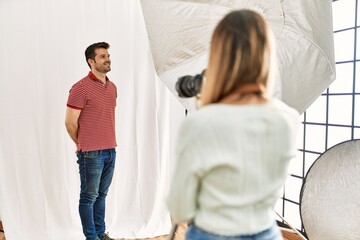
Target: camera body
x: 189, y: 86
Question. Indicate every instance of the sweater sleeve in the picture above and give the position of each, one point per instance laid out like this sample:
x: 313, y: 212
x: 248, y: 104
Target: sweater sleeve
x: 183, y: 194
x: 182, y: 198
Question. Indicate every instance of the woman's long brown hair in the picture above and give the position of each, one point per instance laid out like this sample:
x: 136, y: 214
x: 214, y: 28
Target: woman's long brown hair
x: 239, y: 55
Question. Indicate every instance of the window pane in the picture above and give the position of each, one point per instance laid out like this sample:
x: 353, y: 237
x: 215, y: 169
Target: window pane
x: 296, y: 165
x: 357, y: 111
x: 357, y: 133
x: 292, y: 188
x: 315, y: 138
x: 292, y: 214
x: 310, y: 158
x: 344, y: 46
x: 357, y: 44
x: 317, y: 111
x: 344, y: 79
x: 337, y: 135
x: 357, y: 77
x: 343, y: 14
x: 300, y: 137
x: 358, y: 15
x: 278, y: 209
x: 340, y: 109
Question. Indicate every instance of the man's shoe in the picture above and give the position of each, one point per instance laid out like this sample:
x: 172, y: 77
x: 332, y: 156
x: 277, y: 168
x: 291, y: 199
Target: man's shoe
x: 105, y: 236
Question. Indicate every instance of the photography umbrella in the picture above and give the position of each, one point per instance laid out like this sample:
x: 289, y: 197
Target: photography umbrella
x: 180, y: 30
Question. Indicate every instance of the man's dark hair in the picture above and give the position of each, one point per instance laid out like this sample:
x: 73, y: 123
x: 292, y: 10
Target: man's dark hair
x: 90, y: 50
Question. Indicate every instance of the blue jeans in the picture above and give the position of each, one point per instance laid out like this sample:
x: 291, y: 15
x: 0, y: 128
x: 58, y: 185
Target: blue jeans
x: 194, y: 233
x: 96, y: 171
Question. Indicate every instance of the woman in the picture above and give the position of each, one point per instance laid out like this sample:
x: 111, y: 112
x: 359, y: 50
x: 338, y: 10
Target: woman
x: 233, y: 153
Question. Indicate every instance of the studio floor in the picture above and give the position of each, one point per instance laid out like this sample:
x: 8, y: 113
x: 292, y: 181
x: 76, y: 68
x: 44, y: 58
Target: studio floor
x: 287, y: 234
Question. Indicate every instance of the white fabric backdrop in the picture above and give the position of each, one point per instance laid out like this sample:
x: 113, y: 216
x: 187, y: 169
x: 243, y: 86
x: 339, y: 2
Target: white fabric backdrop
x: 42, y: 44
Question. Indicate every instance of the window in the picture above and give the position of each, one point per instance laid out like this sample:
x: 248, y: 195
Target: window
x: 335, y: 116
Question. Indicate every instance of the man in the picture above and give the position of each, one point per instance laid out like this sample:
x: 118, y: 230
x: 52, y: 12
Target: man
x: 90, y: 122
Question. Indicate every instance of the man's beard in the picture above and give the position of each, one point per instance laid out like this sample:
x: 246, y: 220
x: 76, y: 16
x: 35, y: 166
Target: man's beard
x: 103, y: 69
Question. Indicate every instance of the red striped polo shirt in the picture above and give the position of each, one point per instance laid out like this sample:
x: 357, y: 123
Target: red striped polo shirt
x: 97, y: 102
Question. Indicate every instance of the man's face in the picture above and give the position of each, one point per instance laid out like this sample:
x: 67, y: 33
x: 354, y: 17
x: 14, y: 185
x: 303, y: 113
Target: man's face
x: 102, y: 60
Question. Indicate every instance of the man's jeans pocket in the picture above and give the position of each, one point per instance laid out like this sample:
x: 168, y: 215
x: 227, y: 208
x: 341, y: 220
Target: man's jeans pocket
x: 92, y: 154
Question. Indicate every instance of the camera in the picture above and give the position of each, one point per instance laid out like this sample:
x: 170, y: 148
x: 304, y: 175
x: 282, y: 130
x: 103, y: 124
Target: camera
x: 189, y: 86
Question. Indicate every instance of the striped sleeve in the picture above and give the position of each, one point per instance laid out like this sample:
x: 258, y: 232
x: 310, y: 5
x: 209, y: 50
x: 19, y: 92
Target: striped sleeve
x: 77, y: 96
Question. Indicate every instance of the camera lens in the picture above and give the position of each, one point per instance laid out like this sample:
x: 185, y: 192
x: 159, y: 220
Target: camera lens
x: 189, y: 86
